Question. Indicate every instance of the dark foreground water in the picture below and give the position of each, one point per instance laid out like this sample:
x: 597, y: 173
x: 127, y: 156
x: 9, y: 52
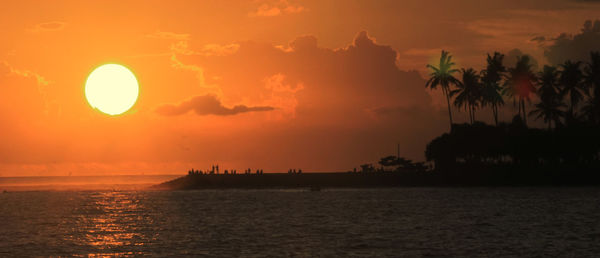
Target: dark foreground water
x: 434, y: 222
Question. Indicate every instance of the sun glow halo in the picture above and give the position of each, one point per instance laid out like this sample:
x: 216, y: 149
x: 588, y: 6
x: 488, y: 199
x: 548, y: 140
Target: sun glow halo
x: 112, y: 89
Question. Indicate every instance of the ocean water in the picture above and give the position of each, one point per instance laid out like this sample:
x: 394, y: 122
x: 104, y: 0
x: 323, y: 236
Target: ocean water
x: 402, y: 222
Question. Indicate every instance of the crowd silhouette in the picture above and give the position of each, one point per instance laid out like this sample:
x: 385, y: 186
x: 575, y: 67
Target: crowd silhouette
x: 214, y: 170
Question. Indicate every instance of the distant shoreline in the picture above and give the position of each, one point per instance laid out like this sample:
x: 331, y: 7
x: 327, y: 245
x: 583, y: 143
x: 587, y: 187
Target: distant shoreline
x: 75, y: 183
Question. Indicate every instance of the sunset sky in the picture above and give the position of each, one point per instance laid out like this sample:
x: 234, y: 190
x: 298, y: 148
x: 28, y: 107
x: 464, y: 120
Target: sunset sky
x: 316, y: 85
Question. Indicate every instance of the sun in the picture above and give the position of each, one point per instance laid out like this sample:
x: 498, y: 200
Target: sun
x: 112, y: 89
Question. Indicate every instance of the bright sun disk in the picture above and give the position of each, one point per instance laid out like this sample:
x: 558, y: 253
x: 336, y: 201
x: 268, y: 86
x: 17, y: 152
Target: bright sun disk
x: 112, y: 89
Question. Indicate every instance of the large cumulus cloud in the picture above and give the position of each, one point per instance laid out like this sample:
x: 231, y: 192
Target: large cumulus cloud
x: 351, y: 101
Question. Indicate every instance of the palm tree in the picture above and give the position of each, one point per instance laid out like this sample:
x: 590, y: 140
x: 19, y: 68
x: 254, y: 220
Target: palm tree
x: 592, y: 110
x: 548, y: 84
x: 468, y: 92
x: 550, y: 104
x: 550, y: 111
x: 491, y: 77
x: 571, y: 81
x: 592, y: 81
x: 443, y: 76
x: 519, y: 83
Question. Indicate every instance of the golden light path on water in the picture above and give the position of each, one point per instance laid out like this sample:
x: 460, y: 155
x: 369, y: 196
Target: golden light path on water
x: 113, y: 224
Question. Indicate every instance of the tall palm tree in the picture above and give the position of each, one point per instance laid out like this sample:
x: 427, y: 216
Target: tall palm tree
x: 550, y: 111
x: 549, y: 107
x: 468, y: 92
x: 548, y: 83
x: 571, y: 81
x: 443, y: 76
x: 491, y: 77
x: 592, y: 81
x: 519, y: 83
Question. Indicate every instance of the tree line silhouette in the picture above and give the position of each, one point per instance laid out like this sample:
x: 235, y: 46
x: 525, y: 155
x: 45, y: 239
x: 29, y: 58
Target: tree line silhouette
x: 566, y: 97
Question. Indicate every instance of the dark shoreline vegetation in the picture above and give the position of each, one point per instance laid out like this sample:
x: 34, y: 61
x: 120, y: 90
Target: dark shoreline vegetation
x: 567, y: 99
x: 565, y: 153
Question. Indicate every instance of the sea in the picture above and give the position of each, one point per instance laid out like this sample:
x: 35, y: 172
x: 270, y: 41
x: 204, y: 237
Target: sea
x: 389, y: 222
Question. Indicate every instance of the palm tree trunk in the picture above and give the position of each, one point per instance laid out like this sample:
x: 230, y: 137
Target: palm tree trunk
x: 571, y: 113
x: 524, y: 113
x: 515, y: 101
x: 468, y: 109
x: 495, y: 112
x: 448, y: 102
x: 473, y: 107
x: 472, y: 114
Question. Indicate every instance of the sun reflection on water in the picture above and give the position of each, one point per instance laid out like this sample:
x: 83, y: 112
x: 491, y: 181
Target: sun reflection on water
x: 114, y: 224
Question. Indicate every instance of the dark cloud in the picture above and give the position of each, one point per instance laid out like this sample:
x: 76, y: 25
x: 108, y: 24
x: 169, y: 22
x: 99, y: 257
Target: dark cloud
x: 539, y: 39
x: 49, y: 26
x: 575, y: 47
x: 510, y: 60
x: 206, y: 105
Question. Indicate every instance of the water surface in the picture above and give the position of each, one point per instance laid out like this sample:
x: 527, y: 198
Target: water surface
x: 346, y: 222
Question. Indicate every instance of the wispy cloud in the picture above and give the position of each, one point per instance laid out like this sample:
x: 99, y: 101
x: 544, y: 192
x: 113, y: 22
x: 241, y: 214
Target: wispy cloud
x: 180, y: 47
x: 281, y: 7
x: 168, y: 35
x: 41, y: 81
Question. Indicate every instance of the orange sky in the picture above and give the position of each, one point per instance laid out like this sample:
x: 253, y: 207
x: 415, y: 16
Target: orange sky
x: 344, y: 79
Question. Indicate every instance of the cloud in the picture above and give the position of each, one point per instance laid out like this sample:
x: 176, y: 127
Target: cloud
x: 538, y: 39
x: 207, y: 105
x: 49, y: 26
x: 219, y: 50
x: 575, y: 47
x: 41, y: 80
x: 276, y: 9
x: 282, y: 95
x: 168, y: 35
x: 180, y: 46
x: 360, y: 75
x: 333, y: 90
